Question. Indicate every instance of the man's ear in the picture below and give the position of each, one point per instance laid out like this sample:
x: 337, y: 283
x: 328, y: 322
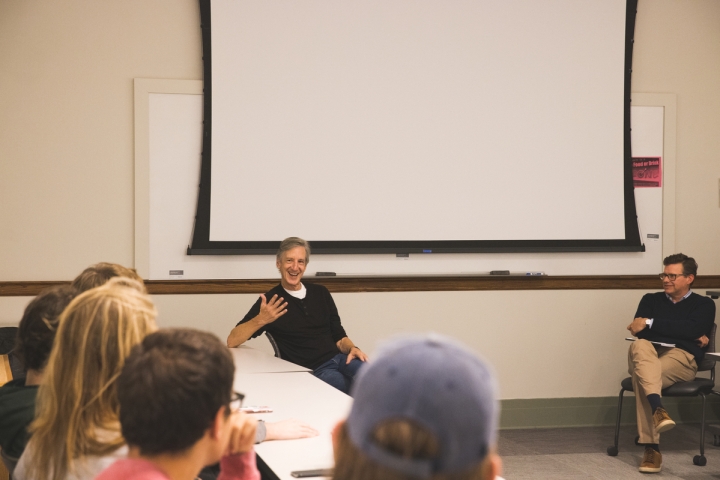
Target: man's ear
x: 216, y: 428
x: 494, y: 466
x: 336, y: 433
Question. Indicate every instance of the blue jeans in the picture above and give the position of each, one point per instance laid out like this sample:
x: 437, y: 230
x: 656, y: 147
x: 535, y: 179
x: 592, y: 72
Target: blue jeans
x: 338, y: 373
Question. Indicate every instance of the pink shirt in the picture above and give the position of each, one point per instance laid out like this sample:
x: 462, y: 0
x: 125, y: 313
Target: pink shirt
x: 232, y: 467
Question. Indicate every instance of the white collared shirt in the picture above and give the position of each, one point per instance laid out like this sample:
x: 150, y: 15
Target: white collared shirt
x: 297, y: 293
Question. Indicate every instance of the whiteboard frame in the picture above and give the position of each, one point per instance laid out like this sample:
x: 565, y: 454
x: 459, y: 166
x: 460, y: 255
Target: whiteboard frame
x: 145, y: 87
x: 669, y: 102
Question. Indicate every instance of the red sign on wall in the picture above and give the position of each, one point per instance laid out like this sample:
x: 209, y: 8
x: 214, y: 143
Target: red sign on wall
x: 647, y: 172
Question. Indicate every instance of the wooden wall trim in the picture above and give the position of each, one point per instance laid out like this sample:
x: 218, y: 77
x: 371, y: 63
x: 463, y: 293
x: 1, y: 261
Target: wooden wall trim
x: 393, y: 284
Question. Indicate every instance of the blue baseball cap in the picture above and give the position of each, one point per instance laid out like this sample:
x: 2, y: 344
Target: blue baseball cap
x: 436, y: 383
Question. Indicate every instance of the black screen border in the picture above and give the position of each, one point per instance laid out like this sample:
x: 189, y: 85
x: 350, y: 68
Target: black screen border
x: 202, y: 245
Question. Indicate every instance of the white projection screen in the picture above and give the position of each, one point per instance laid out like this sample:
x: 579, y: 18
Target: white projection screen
x: 416, y: 125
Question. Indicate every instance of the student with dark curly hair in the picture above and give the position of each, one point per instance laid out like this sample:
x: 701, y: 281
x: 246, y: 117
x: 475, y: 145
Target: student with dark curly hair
x: 76, y: 431
x: 177, y: 411
x: 35, y: 337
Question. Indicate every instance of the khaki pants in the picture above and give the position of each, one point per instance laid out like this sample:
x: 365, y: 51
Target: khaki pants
x: 653, y: 368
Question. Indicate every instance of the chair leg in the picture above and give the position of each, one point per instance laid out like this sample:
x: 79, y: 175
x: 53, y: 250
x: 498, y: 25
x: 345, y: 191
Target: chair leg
x: 700, y: 460
x: 716, y: 437
x: 702, y: 428
x: 613, y: 449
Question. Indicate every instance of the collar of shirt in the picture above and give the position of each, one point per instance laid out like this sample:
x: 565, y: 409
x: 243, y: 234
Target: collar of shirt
x: 670, y: 298
x: 297, y: 293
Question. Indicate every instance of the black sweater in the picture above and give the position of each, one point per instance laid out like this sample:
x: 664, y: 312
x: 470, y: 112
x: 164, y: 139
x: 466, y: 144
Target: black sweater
x: 680, y: 323
x: 307, y: 334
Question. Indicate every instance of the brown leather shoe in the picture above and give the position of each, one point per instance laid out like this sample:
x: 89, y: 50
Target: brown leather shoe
x: 662, y: 420
x: 651, y: 462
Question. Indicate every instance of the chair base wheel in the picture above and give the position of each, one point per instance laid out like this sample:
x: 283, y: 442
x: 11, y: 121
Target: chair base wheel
x: 700, y: 460
x: 612, y: 450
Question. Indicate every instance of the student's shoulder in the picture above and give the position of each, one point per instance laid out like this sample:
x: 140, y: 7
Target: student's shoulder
x: 17, y: 405
x: 14, y: 384
x: 132, y: 469
x: 17, y: 389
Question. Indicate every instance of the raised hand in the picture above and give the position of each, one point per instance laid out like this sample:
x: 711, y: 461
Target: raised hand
x: 272, y: 310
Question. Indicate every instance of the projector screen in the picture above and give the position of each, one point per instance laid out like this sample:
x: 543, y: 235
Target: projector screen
x: 416, y: 125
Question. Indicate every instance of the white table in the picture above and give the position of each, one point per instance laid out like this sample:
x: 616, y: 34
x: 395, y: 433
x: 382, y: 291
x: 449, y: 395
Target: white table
x: 292, y: 392
x: 295, y: 395
x: 251, y: 360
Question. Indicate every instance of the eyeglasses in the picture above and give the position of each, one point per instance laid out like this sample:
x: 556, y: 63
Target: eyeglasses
x: 671, y: 276
x: 236, y: 401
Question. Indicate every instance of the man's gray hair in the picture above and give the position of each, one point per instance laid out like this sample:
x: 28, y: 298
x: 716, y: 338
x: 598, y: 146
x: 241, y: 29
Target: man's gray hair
x: 292, y: 242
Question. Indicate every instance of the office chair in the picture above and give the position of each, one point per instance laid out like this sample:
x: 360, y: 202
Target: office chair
x: 7, y: 339
x: 274, y: 344
x: 698, y: 387
x: 5, y: 370
x: 7, y: 343
x: 8, y: 371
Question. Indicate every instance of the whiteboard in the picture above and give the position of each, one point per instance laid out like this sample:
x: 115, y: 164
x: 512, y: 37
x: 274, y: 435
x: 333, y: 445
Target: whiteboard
x: 168, y: 129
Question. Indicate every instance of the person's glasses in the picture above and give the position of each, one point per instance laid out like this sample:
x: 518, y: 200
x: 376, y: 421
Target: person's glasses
x: 671, y: 276
x: 236, y: 401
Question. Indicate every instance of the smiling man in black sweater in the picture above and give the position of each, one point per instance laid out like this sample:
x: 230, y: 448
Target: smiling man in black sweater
x: 675, y: 316
x: 303, y: 322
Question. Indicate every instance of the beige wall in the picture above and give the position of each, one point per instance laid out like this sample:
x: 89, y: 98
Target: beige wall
x: 677, y: 50
x: 66, y: 183
x: 66, y: 124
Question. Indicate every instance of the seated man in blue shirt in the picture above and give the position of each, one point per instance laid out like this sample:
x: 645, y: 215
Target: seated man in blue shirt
x: 303, y: 321
x: 676, y: 316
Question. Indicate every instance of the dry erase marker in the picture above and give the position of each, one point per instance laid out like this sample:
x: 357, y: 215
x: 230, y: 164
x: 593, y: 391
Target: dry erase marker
x: 534, y: 274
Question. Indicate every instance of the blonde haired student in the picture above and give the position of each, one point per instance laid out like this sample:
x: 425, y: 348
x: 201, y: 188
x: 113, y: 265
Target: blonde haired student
x: 76, y: 432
